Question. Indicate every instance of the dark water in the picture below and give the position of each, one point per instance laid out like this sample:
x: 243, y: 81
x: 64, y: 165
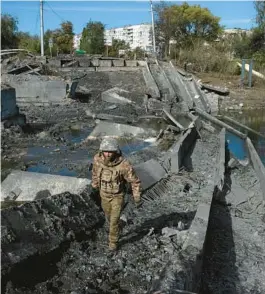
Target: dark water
x: 254, y: 119
x: 38, y: 154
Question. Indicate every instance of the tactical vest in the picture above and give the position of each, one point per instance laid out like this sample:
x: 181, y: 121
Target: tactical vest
x: 110, y: 178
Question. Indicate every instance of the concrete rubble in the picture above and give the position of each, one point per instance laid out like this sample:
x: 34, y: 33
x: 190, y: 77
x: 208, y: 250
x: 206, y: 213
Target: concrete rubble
x: 108, y: 129
x: 114, y: 96
x: 177, y: 242
x: 28, y: 186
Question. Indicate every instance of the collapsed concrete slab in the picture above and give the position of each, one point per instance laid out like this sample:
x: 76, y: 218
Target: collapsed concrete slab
x: 178, y: 154
x: 29, y: 186
x: 151, y: 86
x: 149, y: 172
x: 118, y: 62
x: 113, y: 95
x: 9, y: 110
x: 8, y: 102
x: 105, y: 63
x: 41, y: 226
x: 39, y: 90
x: 109, y: 129
x: 131, y: 63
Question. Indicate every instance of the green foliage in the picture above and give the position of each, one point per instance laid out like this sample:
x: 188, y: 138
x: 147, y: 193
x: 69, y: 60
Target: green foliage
x: 28, y: 42
x: 64, y: 38
x: 117, y: 45
x: 186, y: 24
x: 8, y: 32
x: 260, y: 16
x: 92, y: 40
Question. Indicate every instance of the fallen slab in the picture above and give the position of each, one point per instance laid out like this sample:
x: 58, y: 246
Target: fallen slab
x: 151, y: 86
x: 216, y: 89
x: 38, y: 90
x: 109, y: 129
x: 42, y: 226
x: 29, y: 186
x: 113, y: 95
x: 149, y: 172
x: 179, y: 125
x: 8, y: 102
x: 175, y: 157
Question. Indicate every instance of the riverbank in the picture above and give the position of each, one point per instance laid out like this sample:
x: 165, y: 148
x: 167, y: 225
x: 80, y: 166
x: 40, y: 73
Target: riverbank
x: 240, y: 97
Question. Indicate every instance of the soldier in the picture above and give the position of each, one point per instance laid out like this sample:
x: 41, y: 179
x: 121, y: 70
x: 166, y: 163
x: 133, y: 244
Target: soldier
x: 110, y: 173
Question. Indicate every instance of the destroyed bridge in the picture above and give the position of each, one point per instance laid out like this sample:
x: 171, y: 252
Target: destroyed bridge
x: 201, y: 226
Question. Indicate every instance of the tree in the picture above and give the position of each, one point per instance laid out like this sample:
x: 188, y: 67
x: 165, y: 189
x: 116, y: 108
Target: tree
x: 28, y: 42
x: 260, y: 10
x: 116, y: 46
x: 8, y: 32
x: 92, y: 40
x: 185, y: 24
x: 64, y: 38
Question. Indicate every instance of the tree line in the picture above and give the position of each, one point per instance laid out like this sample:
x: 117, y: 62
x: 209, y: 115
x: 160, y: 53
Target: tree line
x: 177, y: 27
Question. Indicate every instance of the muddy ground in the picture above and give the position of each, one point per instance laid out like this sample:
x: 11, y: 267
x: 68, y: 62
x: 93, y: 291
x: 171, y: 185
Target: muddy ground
x: 53, y: 142
x: 249, y: 97
x: 53, y: 138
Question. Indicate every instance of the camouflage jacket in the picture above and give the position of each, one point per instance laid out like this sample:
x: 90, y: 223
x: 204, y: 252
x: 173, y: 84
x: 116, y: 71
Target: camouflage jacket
x: 111, y: 178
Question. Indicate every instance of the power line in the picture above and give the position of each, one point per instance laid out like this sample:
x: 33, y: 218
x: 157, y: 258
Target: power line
x: 62, y: 19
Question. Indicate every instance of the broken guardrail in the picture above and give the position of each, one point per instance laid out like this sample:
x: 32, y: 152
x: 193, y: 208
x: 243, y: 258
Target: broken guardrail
x: 184, y: 271
x: 219, y: 123
x: 229, y: 119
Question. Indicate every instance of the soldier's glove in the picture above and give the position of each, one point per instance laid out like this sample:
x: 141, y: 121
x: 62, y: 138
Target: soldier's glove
x: 138, y: 204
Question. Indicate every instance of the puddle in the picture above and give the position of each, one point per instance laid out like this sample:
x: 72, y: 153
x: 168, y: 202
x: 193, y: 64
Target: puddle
x: 254, y: 119
x: 54, y: 159
x: 77, y: 136
x: 131, y: 147
x: 237, y: 146
x: 46, y: 169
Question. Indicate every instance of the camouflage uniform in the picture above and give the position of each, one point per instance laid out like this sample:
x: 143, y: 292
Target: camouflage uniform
x: 110, y: 179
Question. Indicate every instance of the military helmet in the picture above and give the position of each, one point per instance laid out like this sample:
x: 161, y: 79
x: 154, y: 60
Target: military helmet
x: 109, y: 144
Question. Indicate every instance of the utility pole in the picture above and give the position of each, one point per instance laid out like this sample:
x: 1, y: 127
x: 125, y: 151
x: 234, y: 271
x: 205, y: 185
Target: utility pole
x: 41, y: 28
x: 153, y: 27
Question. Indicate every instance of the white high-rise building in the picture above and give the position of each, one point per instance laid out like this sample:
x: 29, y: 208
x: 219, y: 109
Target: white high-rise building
x: 135, y: 36
x: 76, y: 42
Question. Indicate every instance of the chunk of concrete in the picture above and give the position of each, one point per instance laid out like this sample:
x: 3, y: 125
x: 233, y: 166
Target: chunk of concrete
x: 94, y: 62
x: 41, y: 90
x: 8, y: 102
x: 33, y: 184
x: 118, y: 62
x: 107, y: 63
x: 131, y: 63
x: 149, y: 172
x: 168, y: 232
x: 109, y: 129
x: 113, y: 95
x: 39, y: 227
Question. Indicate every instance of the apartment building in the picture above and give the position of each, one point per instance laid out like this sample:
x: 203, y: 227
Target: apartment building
x: 76, y: 42
x: 136, y: 36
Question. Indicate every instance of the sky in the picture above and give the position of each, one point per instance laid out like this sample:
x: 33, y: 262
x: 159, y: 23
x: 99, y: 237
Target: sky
x: 234, y: 14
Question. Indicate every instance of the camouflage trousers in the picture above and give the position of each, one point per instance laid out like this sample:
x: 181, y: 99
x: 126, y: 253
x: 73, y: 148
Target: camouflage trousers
x: 112, y: 207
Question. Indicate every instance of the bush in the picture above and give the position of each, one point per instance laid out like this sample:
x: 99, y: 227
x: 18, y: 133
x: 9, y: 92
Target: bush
x: 205, y: 57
